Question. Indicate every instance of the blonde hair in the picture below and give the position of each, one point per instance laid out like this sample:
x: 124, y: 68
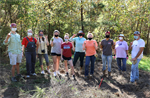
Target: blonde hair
x: 89, y: 33
x: 66, y: 35
x: 56, y: 31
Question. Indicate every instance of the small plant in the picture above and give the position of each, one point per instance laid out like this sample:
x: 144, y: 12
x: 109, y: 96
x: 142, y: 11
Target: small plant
x: 39, y: 92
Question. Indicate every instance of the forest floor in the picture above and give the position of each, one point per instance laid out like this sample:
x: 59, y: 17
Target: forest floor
x: 47, y: 86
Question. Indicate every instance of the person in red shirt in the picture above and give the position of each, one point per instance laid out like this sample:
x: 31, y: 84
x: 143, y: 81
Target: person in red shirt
x: 30, y: 45
x: 66, y: 54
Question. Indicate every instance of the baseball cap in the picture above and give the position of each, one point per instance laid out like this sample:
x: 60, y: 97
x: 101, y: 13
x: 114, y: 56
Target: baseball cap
x: 107, y: 32
x: 121, y: 35
x: 80, y: 31
x: 136, y: 32
x: 13, y: 24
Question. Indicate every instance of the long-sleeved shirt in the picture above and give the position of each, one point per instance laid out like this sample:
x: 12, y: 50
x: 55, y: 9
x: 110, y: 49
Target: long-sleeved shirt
x: 79, y: 43
x: 14, y: 44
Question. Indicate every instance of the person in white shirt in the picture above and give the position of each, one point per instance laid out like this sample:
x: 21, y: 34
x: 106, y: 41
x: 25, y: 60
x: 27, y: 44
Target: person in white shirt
x: 137, y: 47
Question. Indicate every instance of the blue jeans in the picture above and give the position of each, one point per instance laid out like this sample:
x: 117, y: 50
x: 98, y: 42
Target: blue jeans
x: 30, y: 62
x: 76, y: 56
x: 123, y: 68
x: 87, y: 61
x: 109, y: 60
x: 41, y: 59
x: 134, y: 71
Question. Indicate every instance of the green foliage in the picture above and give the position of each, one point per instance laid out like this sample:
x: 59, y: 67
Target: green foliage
x: 39, y: 92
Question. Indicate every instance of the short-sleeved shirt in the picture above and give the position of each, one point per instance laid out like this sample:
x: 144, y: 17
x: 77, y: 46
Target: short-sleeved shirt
x: 56, y: 45
x: 67, y: 49
x: 14, y: 44
x: 121, y: 47
x: 137, y: 44
x: 107, y: 46
x: 90, y: 49
x: 78, y: 43
x: 25, y: 41
x: 42, y: 45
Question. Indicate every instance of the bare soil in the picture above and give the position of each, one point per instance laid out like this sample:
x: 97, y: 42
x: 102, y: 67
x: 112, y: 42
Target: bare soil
x: 116, y: 86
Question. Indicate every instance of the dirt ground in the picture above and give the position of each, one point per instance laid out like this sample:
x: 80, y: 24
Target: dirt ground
x: 50, y: 87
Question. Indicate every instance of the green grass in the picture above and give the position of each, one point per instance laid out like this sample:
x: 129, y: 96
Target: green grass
x: 144, y: 63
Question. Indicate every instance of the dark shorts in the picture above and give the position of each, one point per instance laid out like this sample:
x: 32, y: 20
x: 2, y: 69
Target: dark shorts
x: 55, y: 54
x: 67, y: 58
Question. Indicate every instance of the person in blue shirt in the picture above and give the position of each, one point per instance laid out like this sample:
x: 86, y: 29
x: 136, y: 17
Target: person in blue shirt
x: 79, y: 52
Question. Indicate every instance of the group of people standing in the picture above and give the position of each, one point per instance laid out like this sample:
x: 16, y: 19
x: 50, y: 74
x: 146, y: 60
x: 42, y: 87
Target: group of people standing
x: 63, y: 51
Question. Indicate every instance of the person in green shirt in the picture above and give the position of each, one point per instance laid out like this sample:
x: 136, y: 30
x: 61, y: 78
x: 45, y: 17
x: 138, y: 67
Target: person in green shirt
x: 14, y: 50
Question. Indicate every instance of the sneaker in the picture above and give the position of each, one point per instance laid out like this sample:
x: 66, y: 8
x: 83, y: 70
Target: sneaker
x: 86, y: 77
x: 58, y: 72
x: 55, y: 74
x: 91, y: 75
x: 13, y: 79
x: 48, y: 70
x: 19, y: 75
x: 67, y: 75
x: 28, y: 76
x: 33, y: 74
x: 42, y: 72
x: 74, y: 77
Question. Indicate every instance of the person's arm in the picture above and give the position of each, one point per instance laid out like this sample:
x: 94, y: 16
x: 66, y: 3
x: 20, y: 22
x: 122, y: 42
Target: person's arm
x: 61, y: 54
x: 95, y: 45
x: 101, y: 46
x: 113, y: 46
x: 130, y: 47
x: 7, y: 40
x: 51, y: 42
x: 84, y: 45
x: 47, y: 43
x: 139, y: 53
x: 72, y: 38
x: 73, y: 46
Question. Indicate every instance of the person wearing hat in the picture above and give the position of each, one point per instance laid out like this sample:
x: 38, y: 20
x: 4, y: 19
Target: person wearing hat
x: 79, y: 52
x: 30, y: 45
x: 14, y: 50
x: 137, y: 47
x: 121, y: 52
x: 55, y: 43
x: 106, y: 45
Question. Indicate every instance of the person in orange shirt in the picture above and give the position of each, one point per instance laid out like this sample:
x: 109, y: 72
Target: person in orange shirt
x: 90, y: 46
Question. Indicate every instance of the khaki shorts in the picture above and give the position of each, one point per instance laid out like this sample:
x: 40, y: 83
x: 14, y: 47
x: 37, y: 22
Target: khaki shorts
x: 15, y: 58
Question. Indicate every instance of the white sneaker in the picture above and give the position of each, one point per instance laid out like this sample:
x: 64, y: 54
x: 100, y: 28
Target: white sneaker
x: 58, y: 72
x: 28, y: 76
x: 48, y: 71
x: 55, y: 74
x: 33, y: 74
x: 42, y: 72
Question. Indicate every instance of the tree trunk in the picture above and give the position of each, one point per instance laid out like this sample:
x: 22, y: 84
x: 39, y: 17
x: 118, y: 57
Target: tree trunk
x: 82, y: 17
x: 147, y: 47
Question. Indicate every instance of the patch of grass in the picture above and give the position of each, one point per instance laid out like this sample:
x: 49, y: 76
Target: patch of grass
x: 39, y: 92
x: 144, y: 63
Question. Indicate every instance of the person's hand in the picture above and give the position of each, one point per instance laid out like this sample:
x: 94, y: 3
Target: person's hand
x: 73, y: 49
x: 133, y: 59
x: 127, y: 57
x: 8, y: 35
x: 36, y: 35
x: 62, y: 59
x: 114, y: 57
x: 84, y: 43
x: 46, y: 36
x: 22, y: 54
x: 131, y: 43
x: 74, y: 35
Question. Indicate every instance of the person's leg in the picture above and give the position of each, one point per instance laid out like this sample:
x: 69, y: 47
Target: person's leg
x: 109, y: 60
x: 57, y: 63
x: 33, y: 60
x: 104, y: 62
x: 71, y: 65
x: 119, y: 63
x: 13, y: 59
x: 66, y: 66
x: 76, y: 56
x: 47, y: 60
x: 92, y: 64
x: 19, y: 59
x: 124, y: 64
x: 13, y: 70
x: 54, y: 62
x: 87, y: 61
x: 82, y: 54
x: 41, y: 61
x: 28, y: 62
x: 18, y: 69
x: 137, y: 70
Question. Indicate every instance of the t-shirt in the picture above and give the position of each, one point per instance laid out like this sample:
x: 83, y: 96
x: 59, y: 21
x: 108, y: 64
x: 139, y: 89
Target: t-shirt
x: 56, y: 45
x: 67, y: 49
x: 78, y: 43
x: 121, y: 47
x: 137, y: 44
x: 25, y: 41
x: 90, y: 49
x: 42, y: 46
x: 107, y: 46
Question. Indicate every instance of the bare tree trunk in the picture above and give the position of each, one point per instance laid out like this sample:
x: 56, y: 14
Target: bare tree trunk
x: 147, y: 47
x: 9, y: 11
x: 82, y: 16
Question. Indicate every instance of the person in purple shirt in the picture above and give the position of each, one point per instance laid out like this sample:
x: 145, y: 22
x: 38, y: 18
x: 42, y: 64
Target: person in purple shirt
x: 121, y: 52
